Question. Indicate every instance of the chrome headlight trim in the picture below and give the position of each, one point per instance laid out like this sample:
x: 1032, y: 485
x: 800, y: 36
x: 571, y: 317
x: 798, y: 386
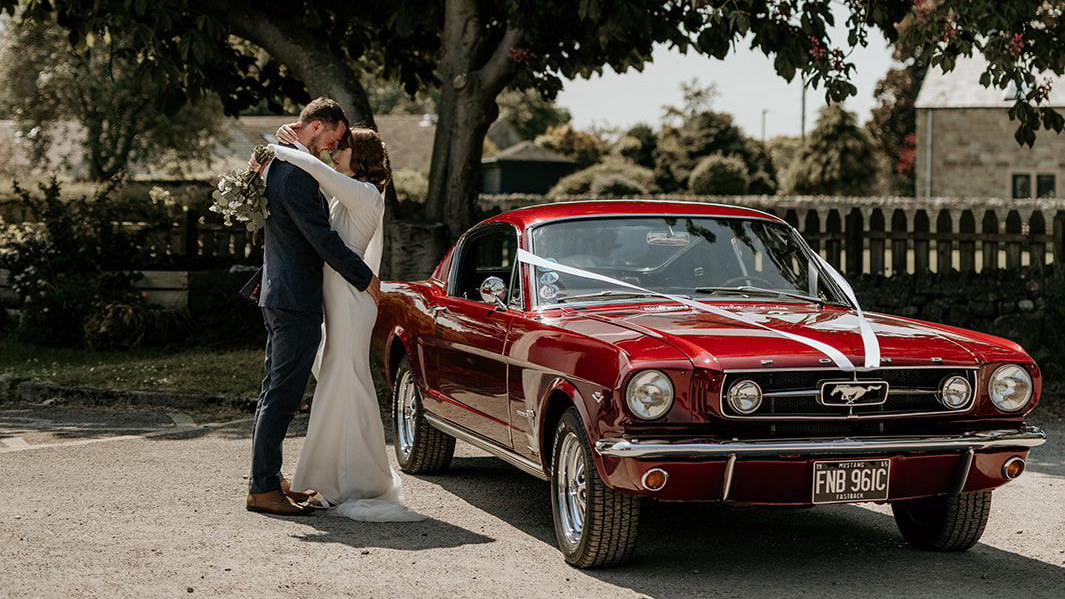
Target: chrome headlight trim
x: 649, y: 394
x: 955, y: 387
x: 734, y: 396
x: 1002, y: 387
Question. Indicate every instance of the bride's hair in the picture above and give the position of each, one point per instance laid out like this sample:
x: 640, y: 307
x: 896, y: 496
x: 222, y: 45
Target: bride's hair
x: 369, y: 158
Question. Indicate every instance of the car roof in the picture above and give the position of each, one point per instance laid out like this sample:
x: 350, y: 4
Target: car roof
x: 533, y: 215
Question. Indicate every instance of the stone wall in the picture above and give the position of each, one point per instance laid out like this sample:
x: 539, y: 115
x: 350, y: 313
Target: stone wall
x: 1000, y: 302
x: 974, y: 153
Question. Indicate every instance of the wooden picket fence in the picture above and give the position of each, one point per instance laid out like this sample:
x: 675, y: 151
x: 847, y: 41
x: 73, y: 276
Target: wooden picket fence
x: 889, y: 235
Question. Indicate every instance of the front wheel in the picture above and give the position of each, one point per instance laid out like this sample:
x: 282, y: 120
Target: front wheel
x: 420, y: 448
x: 595, y: 525
x: 943, y: 523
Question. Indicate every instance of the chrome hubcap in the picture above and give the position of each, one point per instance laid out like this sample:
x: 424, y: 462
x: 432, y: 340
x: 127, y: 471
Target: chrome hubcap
x: 406, y: 397
x: 571, y: 482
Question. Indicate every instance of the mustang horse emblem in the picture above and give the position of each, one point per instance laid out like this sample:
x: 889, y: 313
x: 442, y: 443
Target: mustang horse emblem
x: 852, y: 393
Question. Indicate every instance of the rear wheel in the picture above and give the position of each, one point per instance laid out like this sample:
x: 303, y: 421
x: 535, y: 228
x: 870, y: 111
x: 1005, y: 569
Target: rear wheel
x: 943, y: 523
x: 420, y: 448
x: 595, y: 525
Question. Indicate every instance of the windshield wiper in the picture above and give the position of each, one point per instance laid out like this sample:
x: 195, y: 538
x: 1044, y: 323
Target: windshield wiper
x: 747, y: 289
x: 609, y: 293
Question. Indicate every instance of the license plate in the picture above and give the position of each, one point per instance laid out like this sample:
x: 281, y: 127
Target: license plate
x: 851, y: 480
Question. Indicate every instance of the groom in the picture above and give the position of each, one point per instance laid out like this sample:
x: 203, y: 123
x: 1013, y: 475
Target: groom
x: 298, y: 241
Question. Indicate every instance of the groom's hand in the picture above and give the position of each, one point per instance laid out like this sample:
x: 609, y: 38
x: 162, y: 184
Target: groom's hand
x: 374, y: 289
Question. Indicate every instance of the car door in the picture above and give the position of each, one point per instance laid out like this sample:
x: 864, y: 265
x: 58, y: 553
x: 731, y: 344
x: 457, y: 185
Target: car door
x: 469, y: 337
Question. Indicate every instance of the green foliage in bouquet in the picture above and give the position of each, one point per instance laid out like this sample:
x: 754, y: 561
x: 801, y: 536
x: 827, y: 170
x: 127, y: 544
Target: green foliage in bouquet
x: 241, y: 195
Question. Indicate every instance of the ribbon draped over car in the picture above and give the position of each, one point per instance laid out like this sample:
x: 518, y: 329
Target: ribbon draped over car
x: 865, y: 330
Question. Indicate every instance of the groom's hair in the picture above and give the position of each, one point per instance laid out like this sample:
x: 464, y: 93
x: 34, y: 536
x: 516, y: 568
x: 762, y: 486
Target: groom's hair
x: 325, y: 110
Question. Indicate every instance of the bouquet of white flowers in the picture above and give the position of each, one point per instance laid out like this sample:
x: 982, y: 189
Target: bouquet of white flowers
x: 241, y: 194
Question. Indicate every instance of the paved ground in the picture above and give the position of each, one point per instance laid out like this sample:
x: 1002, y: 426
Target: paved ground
x: 119, y: 503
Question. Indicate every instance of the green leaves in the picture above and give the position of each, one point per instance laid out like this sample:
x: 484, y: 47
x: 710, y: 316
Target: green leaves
x: 240, y: 196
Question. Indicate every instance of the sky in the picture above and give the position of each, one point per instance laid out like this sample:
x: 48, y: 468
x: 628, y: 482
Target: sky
x: 746, y: 84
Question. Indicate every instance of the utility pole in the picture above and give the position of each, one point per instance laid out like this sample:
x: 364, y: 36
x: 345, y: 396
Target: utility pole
x: 802, y: 110
x: 764, y: 111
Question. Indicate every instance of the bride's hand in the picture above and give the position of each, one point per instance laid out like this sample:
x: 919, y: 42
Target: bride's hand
x: 288, y: 134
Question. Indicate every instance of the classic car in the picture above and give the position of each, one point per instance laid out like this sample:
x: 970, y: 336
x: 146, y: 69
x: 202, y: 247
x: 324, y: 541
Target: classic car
x: 685, y: 351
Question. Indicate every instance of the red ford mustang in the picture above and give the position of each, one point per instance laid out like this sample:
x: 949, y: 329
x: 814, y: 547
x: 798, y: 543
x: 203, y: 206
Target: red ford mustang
x: 695, y: 352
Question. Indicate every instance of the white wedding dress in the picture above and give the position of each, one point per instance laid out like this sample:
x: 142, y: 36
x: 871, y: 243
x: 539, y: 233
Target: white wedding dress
x: 343, y: 457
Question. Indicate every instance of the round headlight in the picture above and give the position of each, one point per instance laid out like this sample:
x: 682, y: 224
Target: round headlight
x: 649, y: 394
x: 745, y: 397
x: 955, y: 392
x: 1010, y: 387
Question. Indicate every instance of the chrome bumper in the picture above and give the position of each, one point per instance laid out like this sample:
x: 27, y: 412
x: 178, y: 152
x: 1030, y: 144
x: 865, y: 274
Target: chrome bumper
x: 1025, y: 437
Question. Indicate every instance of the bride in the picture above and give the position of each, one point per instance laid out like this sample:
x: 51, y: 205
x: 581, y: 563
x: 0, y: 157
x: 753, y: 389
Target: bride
x: 344, y: 457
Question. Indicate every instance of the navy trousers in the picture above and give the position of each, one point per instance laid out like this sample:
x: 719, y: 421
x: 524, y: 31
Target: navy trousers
x: 291, y: 344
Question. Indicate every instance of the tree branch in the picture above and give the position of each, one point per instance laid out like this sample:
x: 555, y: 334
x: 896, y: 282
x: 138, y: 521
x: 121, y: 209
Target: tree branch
x: 322, y: 73
x: 500, y: 67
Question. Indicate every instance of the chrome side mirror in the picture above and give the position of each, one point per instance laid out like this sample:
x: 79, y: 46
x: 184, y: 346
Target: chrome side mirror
x: 494, y: 291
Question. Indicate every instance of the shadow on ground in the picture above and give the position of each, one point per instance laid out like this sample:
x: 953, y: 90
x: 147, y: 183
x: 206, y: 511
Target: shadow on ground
x: 411, y: 536
x: 688, y: 550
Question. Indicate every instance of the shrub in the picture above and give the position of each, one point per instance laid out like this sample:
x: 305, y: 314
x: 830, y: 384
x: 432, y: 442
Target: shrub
x: 616, y: 185
x: 719, y: 175
x: 581, y: 182
x: 579, y: 145
x: 128, y: 326
x: 838, y: 158
x: 680, y: 148
x: 638, y: 145
x: 411, y: 185
x: 74, y: 259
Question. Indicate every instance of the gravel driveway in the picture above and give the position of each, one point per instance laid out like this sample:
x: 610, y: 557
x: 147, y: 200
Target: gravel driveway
x: 120, y: 503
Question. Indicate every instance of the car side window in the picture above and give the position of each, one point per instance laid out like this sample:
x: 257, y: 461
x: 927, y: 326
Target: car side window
x: 492, y: 253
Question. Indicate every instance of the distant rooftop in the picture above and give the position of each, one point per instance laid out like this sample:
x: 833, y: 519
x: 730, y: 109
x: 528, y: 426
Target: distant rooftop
x: 960, y: 88
x: 409, y: 139
x: 527, y: 151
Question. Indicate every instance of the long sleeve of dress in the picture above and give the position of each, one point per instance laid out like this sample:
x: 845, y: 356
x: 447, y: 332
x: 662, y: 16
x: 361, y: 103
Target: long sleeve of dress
x: 354, y: 194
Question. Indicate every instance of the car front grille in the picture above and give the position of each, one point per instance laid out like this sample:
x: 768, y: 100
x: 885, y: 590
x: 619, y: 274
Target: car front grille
x: 788, y: 394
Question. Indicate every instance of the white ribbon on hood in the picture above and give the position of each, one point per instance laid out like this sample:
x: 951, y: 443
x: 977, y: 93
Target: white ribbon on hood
x: 869, y: 340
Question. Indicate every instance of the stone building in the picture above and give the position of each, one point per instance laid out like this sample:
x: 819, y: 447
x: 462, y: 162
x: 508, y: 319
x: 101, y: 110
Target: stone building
x: 965, y: 143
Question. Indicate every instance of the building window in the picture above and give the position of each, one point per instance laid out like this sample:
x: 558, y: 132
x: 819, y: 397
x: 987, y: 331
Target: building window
x: 1022, y: 186
x: 1045, y: 186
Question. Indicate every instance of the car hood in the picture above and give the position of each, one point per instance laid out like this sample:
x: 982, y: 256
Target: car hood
x: 713, y: 341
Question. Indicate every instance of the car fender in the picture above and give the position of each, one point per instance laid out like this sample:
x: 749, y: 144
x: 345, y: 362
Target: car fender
x: 547, y: 421
x: 397, y: 335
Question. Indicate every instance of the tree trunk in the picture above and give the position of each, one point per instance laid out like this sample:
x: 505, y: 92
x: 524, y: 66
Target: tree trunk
x: 473, y: 76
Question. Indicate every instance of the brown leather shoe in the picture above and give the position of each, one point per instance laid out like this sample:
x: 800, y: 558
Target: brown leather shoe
x: 286, y: 488
x: 277, y: 503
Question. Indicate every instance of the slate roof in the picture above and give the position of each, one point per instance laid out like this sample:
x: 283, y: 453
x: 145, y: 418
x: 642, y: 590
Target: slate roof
x: 960, y: 88
x: 527, y: 151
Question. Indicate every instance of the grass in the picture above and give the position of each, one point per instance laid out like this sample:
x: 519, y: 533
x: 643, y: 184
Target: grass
x: 222, y: 372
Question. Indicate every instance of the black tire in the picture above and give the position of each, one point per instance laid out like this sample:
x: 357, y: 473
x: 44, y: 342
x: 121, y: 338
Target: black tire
x: 611, y: 519
x: 431, y: 450
x: 943, y: 523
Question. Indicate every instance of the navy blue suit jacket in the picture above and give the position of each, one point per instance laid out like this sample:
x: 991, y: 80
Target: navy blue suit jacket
x: 299, y: 241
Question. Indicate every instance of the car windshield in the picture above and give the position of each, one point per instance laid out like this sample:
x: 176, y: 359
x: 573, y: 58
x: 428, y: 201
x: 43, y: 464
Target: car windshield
x: 700, y: 257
